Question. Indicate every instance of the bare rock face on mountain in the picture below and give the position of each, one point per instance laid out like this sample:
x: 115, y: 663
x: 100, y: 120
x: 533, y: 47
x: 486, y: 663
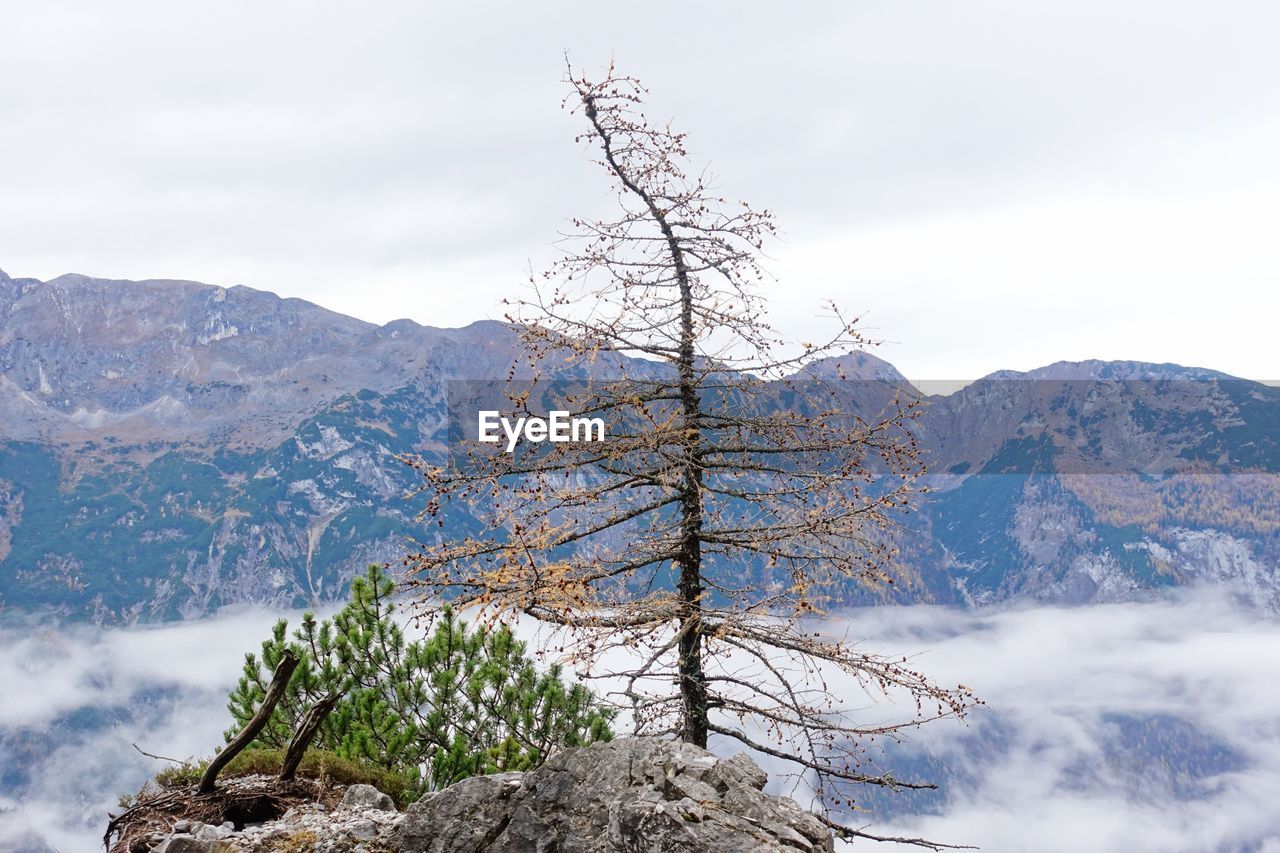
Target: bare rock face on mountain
x: 168, y: 448
x: 634, y: 794
x: 81, y: 358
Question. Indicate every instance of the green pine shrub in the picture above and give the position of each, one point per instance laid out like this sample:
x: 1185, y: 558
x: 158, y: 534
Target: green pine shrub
x: 463, y: 701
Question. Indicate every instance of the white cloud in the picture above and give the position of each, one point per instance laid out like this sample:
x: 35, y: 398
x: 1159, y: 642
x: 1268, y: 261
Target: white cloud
x: 1057, y: 679
x: 999, y: 184
x: 1050, y: 766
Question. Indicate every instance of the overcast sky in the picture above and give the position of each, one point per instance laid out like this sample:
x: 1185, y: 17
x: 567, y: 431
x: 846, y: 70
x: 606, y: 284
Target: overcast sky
x: 993, y: 184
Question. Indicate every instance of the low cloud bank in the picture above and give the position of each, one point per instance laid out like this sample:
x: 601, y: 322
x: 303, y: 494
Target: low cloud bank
x: 1114, y: 727
x: 1121, y: 727
x: 76, y: 701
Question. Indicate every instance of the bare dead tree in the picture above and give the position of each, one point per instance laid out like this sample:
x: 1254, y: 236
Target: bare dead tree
x: 730, y: 498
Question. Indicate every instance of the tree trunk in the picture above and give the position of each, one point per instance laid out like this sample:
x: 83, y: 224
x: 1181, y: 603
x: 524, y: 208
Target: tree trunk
x: 693, y: 682
x: 279, y: 681
x: 306, y: 731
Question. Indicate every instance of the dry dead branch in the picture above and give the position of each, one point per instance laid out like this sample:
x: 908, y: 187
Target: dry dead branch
x: 741, y: 487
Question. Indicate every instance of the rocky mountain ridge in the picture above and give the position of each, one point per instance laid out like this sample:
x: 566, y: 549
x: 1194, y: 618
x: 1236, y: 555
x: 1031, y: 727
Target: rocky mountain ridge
x: 84, y: 358
x: 169, y: 448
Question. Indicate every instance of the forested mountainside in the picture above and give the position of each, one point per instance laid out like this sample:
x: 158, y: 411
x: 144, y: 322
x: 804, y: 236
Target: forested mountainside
x: 168, y: 448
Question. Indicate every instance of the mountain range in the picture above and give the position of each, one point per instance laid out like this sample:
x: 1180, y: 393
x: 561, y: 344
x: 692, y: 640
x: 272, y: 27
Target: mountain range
x: 168, y: 448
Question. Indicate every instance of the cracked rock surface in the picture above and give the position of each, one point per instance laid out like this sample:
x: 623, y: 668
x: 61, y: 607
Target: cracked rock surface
x: 633, y: 794
x: 638, y: 795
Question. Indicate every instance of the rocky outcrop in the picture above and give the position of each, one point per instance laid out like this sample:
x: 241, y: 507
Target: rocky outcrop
x: 638, y: 795
x: 635, y: 794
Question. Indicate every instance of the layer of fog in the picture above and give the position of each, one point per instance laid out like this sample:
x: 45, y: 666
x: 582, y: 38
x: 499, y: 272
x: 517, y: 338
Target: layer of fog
x: 1115, y: 727
x: 1063, y: 759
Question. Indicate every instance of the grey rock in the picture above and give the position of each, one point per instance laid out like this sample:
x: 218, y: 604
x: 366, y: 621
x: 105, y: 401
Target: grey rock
x: 795, y: 826
x: 738, y: 769
x: 476, y: 810
x: 367, y: 797
x: 182, y: 843
x: 213, y: 833
x: 634, y: 794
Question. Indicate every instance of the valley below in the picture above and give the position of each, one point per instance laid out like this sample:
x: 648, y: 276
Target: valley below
x: 1107, y: 726
x: 1097, y: 554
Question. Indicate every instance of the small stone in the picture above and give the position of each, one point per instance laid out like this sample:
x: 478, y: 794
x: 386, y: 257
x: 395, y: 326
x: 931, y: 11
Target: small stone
x: 189, y: 844
x: 211, y: 833
x: 367, y: 797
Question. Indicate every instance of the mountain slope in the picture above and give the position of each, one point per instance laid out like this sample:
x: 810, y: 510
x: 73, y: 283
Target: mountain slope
x: 83, y: 358
x: 168, y: 448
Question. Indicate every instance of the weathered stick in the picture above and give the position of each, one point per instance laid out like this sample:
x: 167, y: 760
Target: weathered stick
x: 142, y: 751
x: 279, y: 681
x: 306, y: 731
